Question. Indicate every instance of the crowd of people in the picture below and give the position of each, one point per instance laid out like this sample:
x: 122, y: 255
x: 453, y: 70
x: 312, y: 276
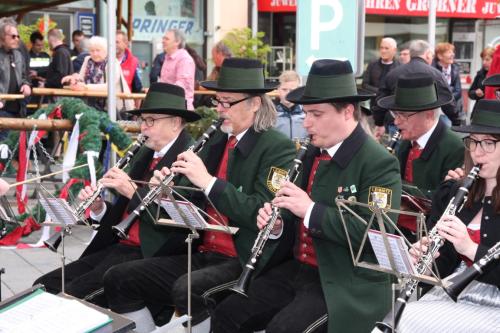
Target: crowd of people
x: 305, y: 279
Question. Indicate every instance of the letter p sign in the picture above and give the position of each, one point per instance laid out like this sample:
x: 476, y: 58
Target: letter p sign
x: 326, y: 15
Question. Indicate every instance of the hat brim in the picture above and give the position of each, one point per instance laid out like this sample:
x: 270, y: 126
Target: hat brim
x: 187, y: 115
x: 297, y: 96
x: 479, y: 129
x: 389, y: 103
x: 212, y: 85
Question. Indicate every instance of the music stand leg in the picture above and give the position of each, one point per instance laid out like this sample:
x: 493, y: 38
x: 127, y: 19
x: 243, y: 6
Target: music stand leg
x: 189, y: 241
x: 63, y: 261
x: 2, y: 271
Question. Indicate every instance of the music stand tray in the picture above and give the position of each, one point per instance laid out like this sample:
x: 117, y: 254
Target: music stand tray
x: 380, y: 217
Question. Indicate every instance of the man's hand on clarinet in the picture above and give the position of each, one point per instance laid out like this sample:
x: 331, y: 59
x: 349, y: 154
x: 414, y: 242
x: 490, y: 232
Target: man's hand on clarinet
x: 98, y: 205
x: 264, y: 216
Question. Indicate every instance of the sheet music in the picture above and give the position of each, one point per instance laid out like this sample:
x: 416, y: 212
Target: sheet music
x: 402, y: 259
x: 191, y: 213
x: 42, y: 312
x: 58, y: 210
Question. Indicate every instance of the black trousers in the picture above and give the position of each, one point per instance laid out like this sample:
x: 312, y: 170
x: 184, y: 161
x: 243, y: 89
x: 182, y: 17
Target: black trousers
x: 163, y: 281
x: 85, y: 275
x: 288, y: 298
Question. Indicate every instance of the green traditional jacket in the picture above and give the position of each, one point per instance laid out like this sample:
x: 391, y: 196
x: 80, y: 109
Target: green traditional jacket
x: 356, y: 297
x: 155, y: 240
x: 444, y: 151
x: 250, y: 170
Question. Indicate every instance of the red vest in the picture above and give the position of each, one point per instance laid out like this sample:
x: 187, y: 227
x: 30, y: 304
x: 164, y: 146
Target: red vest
x: 406, y: 221
x: 304, y: 249
x: 133, y: 233
x: 129, y: 66
x: 217, y: 241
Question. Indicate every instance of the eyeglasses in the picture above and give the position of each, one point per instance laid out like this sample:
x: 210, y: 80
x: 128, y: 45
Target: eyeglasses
x: 227, y: 105
x: 487, y: 145
x: 149, y: 121
x: 402, y: 115
x: 15, y: 36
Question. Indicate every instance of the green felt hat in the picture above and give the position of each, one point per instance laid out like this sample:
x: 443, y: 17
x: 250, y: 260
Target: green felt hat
x: 415, y: 92
x: 241, y: 75
x: 329, y: 81
x: 165, y: 98
x: 485, y: 118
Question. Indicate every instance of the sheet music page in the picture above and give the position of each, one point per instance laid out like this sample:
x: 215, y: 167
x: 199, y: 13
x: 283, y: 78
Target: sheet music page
x: 42, y: 312
x: 399, y: 250
x: 193, y: 216
x: 58, y: 210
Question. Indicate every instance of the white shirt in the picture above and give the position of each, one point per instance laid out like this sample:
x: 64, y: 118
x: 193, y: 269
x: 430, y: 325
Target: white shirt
x: 331, y: 151
x: 422, y: 140
x: 161, y: 153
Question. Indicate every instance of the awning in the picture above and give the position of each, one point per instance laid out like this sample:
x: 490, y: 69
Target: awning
x: 13, y: 7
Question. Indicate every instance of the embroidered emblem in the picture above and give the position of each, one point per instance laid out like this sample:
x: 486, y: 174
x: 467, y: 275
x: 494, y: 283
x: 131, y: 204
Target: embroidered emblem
x: 353, y: 189
x: 381, y: 196
x: 275, y: 179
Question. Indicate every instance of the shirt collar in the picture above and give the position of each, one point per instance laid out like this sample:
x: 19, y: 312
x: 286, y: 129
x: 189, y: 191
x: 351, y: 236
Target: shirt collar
x: 165, y: 149
x: 332, y: 150
x: 239, y: 136
x: 422, y: 141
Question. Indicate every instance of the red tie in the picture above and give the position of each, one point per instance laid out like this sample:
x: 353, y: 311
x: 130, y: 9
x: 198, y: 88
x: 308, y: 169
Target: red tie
x: 414, y: 153
x: 154, y: 163
x: 222, y: 172
x: 217, y: 241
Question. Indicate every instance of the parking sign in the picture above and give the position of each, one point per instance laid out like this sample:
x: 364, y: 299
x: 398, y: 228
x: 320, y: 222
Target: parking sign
x: 330, y: 29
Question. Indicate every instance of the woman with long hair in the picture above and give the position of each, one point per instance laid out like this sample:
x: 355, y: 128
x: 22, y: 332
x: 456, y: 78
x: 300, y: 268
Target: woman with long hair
x: 467, y: 237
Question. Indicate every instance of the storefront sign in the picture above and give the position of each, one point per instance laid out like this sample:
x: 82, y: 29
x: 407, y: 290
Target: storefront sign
x: 277, y: 6
x: 152, y: 18
x: 86, y: 23
x: 476, y: 9
x: 330, y: 29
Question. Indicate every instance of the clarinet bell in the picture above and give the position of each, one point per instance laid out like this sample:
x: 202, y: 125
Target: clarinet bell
x: 53, y: 241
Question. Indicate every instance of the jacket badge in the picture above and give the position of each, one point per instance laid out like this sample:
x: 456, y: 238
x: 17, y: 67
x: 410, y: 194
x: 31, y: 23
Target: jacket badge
x: 381, y: 196
x: 275, y: 179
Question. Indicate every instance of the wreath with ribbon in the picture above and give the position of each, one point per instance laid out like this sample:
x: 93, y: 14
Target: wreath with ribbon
x: 90, y: 123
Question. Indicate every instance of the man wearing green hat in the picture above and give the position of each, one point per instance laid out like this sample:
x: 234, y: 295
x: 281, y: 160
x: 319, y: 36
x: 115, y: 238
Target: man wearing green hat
x: 320, y: 288
x: 238, y: 171
x: 428, y: 148
x: 162, y: 119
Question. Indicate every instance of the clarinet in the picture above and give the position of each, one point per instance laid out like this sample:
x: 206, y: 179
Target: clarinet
x: 435, y: 242
x: 462, y: 280
x: 241, y: 285
x: 123, y: 227
x: 53, y: 241
x: 391, y: 145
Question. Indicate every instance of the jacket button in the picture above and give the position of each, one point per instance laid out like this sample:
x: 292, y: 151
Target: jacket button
x: 485, y: 235
x: 486, y: 217
x: 304, y: 245
x: 304, y: 255
x: 305, y: 234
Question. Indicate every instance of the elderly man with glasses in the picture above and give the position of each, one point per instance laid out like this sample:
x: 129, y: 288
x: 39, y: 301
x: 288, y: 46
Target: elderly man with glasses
x: 239, y: 169
x: 13, y: 74
x: 428, y: 148
x: 162, y: 119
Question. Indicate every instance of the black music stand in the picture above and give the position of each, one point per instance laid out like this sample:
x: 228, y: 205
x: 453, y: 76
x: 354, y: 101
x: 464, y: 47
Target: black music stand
x: 380, y: 217
x: 184, y: 214
x: 59, y: 211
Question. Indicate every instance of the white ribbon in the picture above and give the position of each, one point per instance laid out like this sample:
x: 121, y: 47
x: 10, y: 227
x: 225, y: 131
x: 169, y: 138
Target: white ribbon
x: 29, y: 145
x: 70, y: 155
x: 4, y: 151
x: 90, y: 160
